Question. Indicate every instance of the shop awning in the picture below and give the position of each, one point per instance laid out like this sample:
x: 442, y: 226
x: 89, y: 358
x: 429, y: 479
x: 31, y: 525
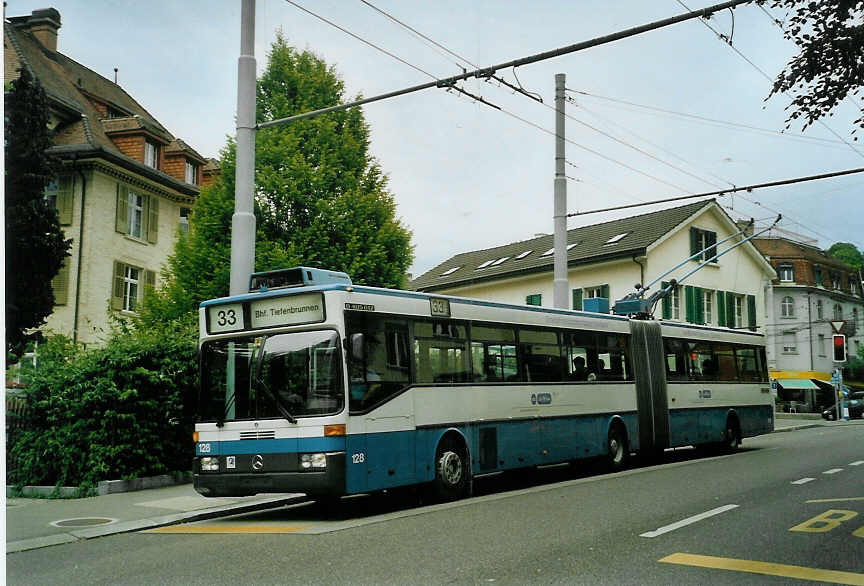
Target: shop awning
x: 794, y: 383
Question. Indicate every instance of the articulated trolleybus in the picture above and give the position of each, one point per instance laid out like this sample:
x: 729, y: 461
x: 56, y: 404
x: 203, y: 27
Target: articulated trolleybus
x: 311, y: 384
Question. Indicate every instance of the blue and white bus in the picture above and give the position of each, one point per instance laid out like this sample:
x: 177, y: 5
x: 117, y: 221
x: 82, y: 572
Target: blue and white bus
x: 312, y: 384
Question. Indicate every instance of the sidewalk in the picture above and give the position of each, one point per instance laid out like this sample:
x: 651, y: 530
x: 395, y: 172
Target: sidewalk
x: 33, y: 523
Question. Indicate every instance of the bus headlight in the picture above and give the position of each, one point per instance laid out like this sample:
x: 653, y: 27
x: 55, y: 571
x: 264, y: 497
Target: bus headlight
x: 313, y: 461
x: 210, y: 464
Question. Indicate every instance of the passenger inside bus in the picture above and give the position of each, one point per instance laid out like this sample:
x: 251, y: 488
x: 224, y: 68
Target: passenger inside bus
x: 579, y: 370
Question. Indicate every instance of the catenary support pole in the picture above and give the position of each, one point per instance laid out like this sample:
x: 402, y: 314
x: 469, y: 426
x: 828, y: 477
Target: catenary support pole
x: 559, y: 284
x: 243, y: 220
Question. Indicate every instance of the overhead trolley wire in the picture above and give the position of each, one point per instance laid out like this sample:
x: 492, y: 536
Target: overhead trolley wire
x: 480, y: 99
x: 491, y: 70
x: 728, y: 41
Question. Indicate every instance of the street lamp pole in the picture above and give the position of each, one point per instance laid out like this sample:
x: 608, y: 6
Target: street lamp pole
x: 243, y: 220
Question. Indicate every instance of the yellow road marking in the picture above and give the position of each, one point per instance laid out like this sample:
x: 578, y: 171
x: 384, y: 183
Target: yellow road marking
x: 226, y: 529
x: 767, y: 568
x: 848, y: 498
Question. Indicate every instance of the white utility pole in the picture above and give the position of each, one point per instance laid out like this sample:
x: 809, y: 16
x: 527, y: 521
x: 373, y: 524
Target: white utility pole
x: 243, y: 220
x: 560, y: 283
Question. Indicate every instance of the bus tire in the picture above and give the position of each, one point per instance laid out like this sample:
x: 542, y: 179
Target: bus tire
x: 617, y: 448
x: 452, y: 470
x: 731, y: 435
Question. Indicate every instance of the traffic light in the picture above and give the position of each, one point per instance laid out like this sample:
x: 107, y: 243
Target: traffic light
x: 839, y: 348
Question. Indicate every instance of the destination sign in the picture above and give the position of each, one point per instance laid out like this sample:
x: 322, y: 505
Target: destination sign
x: 287, y: 311
x: 225, y: 318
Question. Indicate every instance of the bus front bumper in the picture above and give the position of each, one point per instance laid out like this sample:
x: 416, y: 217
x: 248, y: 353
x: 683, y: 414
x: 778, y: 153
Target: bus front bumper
x: 330, y: 481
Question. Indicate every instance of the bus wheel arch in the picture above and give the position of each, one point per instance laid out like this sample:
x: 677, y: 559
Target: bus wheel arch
x: 617, y: 445
x: 452, y: 477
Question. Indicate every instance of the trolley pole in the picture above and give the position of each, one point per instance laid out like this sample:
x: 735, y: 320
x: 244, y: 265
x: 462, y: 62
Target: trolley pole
x: 243, y: 220
x: 559, y: 283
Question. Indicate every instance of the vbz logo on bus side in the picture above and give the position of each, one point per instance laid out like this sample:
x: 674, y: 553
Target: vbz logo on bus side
x: 541, y: 398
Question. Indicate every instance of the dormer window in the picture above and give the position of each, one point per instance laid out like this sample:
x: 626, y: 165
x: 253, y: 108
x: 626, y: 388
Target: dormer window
x: 191, y: 173
x: 787, y: 273
x: 151, y: 154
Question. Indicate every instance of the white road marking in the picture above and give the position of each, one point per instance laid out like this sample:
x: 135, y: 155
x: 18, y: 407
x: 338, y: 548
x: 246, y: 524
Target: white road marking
x: 803, y: 481
x: 688, y: 521
x: 833, y: 471
x: 856, y: 463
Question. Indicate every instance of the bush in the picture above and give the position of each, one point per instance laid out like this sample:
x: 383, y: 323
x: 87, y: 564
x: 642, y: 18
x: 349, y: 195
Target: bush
x: 110, y: 412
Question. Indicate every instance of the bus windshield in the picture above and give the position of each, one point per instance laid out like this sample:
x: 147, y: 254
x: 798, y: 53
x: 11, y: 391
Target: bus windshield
x: 280, y: 376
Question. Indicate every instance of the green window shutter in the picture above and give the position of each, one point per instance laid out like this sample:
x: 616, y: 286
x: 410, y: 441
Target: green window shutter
x: 694, y: 241
x: 149, y: 280
x: 730, y: 310
x: 121, y: 220
x: 604, y: 291
x: 751, y: 312
x: 721, y: 308
x: 577, y: 299
x: 65, y: 200
x: 117, y: 290
x: 711, y: 243
x: 666, y: 302
x: 60, y: 284
x: 153, y: 219
x: 689, y: 304
x: 700, y: 305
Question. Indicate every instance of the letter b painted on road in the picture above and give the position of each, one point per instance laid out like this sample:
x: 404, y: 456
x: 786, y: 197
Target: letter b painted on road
x: 825, y: 522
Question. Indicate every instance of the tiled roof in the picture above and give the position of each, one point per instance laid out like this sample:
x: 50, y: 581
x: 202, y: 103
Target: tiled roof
x: 786, y: 249
x: 70, y: 86
x: 588, y: 244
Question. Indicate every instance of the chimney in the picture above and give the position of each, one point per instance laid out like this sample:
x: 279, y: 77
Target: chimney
x: 43, y: 24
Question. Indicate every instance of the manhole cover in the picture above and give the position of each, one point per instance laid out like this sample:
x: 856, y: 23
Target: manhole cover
x: 83, y: 522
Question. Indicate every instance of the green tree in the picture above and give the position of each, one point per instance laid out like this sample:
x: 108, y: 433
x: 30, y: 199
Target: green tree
x: 35, y: 247
x: 848, y: 253
x: 829, y: 65
x: 321, y: 198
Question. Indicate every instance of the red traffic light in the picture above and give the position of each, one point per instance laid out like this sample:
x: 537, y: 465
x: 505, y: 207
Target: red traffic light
x: 839, y: 345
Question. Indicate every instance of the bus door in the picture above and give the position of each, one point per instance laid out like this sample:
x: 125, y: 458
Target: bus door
x: 651, y: 399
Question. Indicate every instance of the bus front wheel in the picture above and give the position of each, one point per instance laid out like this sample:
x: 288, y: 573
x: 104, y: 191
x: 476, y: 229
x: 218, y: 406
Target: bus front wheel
x: 451, y: 470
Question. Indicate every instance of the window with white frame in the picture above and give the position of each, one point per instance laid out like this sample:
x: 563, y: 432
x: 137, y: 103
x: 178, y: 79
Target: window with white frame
x: 593, y: 292
x: 707, y: 306
x: 820, y: 309
x: 835, y: 280
x: 703, y: 240
x: 838, y: 312
x: 676, y: 303
x: 135, y: 214
x: 787, y: 307
x: 739, y: 311
x: 820, y: 345
x: 191, y: 173
x: 130, y: 282
x: 151, y: 154
x: 789, y: 345
x: 855, y: 316
x: 787, y: 273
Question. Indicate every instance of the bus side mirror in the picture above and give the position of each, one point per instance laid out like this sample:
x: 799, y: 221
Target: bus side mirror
x: 358, y: 347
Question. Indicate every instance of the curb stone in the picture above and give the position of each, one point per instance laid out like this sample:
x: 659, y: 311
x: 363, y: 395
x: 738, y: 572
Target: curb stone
x: 149, y: 523
x: 106, y: 486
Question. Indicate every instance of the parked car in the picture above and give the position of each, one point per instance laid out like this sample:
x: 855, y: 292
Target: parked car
x: 854, y: 402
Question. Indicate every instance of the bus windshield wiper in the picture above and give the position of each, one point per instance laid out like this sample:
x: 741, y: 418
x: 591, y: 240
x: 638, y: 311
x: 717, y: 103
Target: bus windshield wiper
x: 277, y: 399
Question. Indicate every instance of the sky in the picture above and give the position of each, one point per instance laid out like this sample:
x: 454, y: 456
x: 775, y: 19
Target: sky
x: 466, y: 176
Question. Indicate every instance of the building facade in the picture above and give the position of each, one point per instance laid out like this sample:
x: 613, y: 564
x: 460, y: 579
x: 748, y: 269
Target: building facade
x: 811, y: 291
x: 607, y: 260
x: 125, y: 188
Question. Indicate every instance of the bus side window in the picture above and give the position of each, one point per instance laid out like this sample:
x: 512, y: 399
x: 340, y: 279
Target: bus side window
x: 540, y: 355
x: 725, y: 360
x: 581, y: 353
x: 676, y: 359
x: 493, y: 354
x: 441, y: 352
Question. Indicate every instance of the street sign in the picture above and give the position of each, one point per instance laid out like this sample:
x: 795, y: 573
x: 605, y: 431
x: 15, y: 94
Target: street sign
x: 837, y: 326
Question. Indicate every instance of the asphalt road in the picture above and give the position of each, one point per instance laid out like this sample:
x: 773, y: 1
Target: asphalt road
x: 750, y: 517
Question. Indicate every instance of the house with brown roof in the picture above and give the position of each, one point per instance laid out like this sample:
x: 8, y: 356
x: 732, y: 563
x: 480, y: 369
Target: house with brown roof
x: 125, y: 188
x: 605, y: 262
x: 811, y: 291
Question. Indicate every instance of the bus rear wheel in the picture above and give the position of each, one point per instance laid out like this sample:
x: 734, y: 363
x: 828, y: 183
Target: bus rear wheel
x: 451, y: 471
x: 617, y: 449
